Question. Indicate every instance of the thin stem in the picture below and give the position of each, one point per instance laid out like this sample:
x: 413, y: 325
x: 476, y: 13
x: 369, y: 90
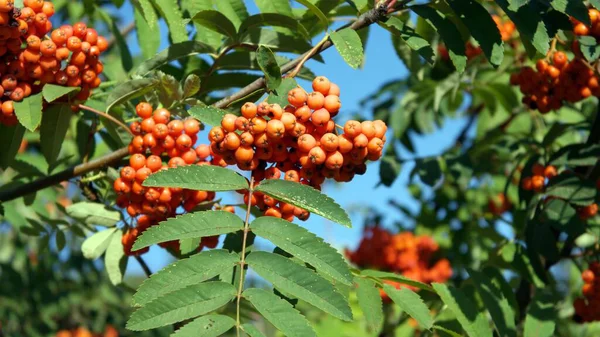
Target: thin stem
x: 105, y: 115
x: 145, y: 267
x: 215, y: 64
x: 243, y: 257
x: 308, y: 55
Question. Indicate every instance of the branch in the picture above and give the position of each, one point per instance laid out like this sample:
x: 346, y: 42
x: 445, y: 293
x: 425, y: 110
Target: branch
x: 243, y: 258
x: 374, y: 15
x: 107, y: 116
x: 145, y: 267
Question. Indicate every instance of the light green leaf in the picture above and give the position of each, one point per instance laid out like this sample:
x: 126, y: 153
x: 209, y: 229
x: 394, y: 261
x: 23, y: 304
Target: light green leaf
x: 303, y: 245
x: 189, y: 245
x: 279, y: 312
x: 541, y: 316
x: 215, y: 21
x: 208, y: 115
x: 275, y: 6
x: 129, y: 90
x: 172, y: 53
x: 252, y: 331
x: 93, y: 213
x: 51, y: 92
x: 170, y: 10
x: 300, y: 282
x: 396, y: 278
x: 29, y: 111
x: 348, y: 44
x: 115, y: 260
x: 11, y: 137
x: 483, y: 29
x: 149, y: 13
x: 94, y: 246
x: 316, y: 11
x: 181, y: 305
x: 370, y: 303
x: 148, y: 34
x: 234, y: 10
x: 474, y: 323
x: 586, y: 240
x: 55, y: 123
x: 200, y: 178
x: 271, y: 19
x: 411, y: 303
x: 500, y: 283
x: 268, y: 64
x: 190, y: 225
x: 410, y: 36
x: 207, y: 326
x: 497, y: 305
x: 306, y: 198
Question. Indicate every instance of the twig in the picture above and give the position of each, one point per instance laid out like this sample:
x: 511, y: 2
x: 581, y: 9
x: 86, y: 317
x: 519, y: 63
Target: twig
x: 145, y: 267
x: 215, y: 64
x: 243, y: 257
x: 105, y: 115
x: 307, y: 56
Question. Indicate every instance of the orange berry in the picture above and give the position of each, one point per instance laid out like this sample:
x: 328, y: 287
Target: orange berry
x: 249, y: 110
x: 320, y: 117
x: 297, y: 97
x: 321, y: 84
x: 275, y: 129
x: 228, y: 122
x: 352, y: 128
x: 316, y: 100
x: 333, y: 103
x: 588, y: 276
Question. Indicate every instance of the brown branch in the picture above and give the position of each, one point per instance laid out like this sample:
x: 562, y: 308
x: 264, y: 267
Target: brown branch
x: 105, y: 115
x: 377, y: 14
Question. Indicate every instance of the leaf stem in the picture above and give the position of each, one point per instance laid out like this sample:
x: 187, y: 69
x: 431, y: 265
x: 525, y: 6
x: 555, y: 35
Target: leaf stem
x: 145, y: 267
x: 307, y: 56
x: 105, y: 115
x: 243, y: 257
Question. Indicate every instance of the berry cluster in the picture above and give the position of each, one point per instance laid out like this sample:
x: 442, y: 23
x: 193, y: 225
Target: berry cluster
x: 587, y: 309
x: 156, y: 135
x: 299, y: 143
x: 499, y: 204
x: 538, y: 181
x: 579, y: 28
x: 30, y: 58
x: 402, y: 253
x: 109, y: 331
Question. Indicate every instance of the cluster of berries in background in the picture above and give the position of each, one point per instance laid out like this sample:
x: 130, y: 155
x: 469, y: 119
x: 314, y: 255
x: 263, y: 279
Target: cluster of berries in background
x: 157, y: 135
x: 109, y: 331
x: 403, y: 253
x: 31, y: 54
x: 499, y: 204
x: 299, y: 142
x: 557, y: 79
x: 587, y: 308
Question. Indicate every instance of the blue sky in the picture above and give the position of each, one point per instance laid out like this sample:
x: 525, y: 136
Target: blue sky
x: 381, y: 65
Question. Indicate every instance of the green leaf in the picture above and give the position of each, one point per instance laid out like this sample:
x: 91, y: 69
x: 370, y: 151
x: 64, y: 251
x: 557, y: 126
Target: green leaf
x: 516, y: 4
x: 147, y: 31
x: 234, y: 10
x: 51, y: 92
x: 497, y: 305
x: 529, y: 23
x: 227, y: 81
x: 207, y: 326
x: 180, y: 274
x: 411, y: 303
x: 181, y: 305
x: 396, y: 278
x: 208, y: 115
x: 129, y: 90
x: 370, y: 303
x: 576, y: 155
x: 389, y: 169
x: 172, y: 53
x: 589, y: 48
x: 55, y: 123
x: 468, y: 315
x: 94, y: 246
x: 252, y: 331
x: 200, y: 178
x: 348, y: 44
x: 410, y: 36
x: 305, y: 197
x: 271, y: 19
x: 576, y: 9
x: 303, y: 245
x: 191, y: 86
x: 170, y: 10
x: 215, y: 21
x: 279, y: 312
x: 93, y: 213
x: 29, y: 111
x: 115, y: 260
x: 149, y: 13
x: 275, y: 6
x: 316, y: 11
x: 61, y: 240
x: 572, y: 189
x: 562, y: 216
x: 280, y: 94
x: 300, y: 282
x: 11, y: 138
x: 120, y: 42
x: 268, y: 64
x: 190, y: 225
x: 483, y: 29
x: 541, y: 316
x: 448, y: 32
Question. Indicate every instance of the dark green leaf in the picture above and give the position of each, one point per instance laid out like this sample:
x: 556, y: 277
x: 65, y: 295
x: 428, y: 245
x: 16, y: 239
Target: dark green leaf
x: 29, y: 111
x: 200, y: 178
x: 348, y: 44
x: 173, y: 53
x: 279, y: 312
x: 576, y: 9
x: 528, y: 22
x: 576, y: 155
x: 51, y: 91
x: 190, y: 225
x: 268, y: 64
x: 11, y: 137
x: 573, y: 189
x: 215, y: 21
x: 589, y: 48
x: 129, y: 90
x: 207, y: 326
x: 181, y: 305
x: 305, y: 197
x: 411, y: 303
x: 303, y: 245
x: 541, y: 316
x: 280, y: 94
x: 370, y: 303
x: 271, y: 19
x: 412, y: 39
x: 55, y: 123
x: 191, y: 86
